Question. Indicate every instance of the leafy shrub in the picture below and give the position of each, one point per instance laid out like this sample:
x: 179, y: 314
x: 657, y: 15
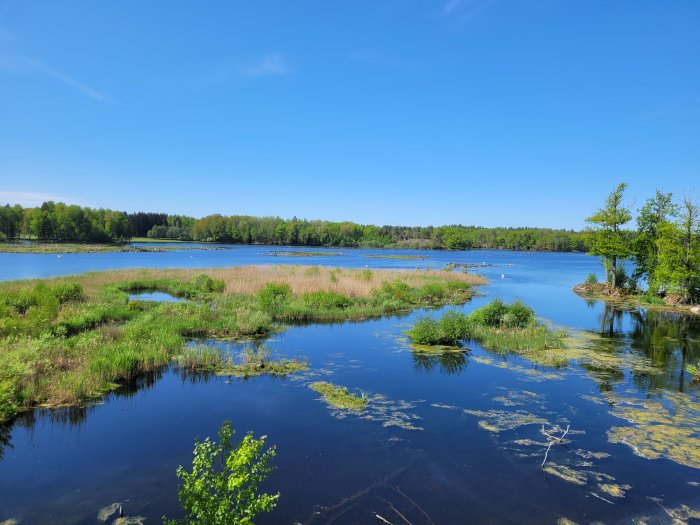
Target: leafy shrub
x: 491, y: 314
x: 452, y: 328
x: 67, y: 292
x: 395, y: 289
x: 519, y: 315
x: 206, y: 284
x: 273, y: 296
x: 326, y: 300
x: 592, y: 279
x: 222, y: 487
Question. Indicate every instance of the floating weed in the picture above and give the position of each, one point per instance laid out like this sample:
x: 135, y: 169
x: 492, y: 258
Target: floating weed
x: 578, y: 477
x: 616, y: 491
x: 593, y: 399
x: 517, y: 398
x: 530, y: 373
x: 500, y: 420
x: 339, y: 396
x: 587, y: 454
x: 388, y: 412
x: 129, y: 520
x: 694, y: 483
x: 447, y: 407
x: 106, y: 512
x: 11, y: 521
x: 670, y: 430
x: 565, y: 521
x: 680, y: 514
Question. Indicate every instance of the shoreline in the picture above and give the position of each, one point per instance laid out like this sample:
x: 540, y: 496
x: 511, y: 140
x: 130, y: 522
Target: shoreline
x: 628, y: 301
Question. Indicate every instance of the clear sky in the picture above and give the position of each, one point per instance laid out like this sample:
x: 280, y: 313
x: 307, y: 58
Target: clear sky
x: 417, y: 112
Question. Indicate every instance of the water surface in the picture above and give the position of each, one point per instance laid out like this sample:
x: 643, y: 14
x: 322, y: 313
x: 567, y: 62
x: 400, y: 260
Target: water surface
x: 453, y: 438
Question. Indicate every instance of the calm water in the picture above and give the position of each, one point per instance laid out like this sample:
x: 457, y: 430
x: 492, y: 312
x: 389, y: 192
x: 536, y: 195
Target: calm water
x: 454, y: 439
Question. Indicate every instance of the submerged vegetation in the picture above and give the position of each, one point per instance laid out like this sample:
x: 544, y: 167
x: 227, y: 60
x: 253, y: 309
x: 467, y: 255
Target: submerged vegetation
x: 496, y: 326
x: 67, y: 340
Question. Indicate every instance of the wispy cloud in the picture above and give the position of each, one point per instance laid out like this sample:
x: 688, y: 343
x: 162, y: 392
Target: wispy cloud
x: 17, y: 64
x: 30, y: 199
x: 272, y: 64
x: 464, y: 9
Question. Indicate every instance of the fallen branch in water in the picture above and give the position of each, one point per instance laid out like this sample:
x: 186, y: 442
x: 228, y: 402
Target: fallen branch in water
x: 396, y: 511
x: 383, y: 520
x: 553, y: 440
x: 397, y: 489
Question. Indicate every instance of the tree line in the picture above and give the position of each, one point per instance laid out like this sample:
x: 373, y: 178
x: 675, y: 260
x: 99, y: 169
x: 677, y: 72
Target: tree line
x: 665, y: 247
x: 69, y: 223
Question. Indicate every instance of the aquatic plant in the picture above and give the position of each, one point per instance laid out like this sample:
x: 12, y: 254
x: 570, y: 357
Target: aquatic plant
x: 496, y: 326
x: 339, y: 396
x: 222, y: 487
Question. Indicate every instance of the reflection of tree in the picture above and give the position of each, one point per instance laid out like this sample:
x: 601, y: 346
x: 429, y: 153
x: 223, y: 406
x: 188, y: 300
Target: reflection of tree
x: 449, y: 362
x: 609, y: 318
x: 5, y: 437
x: 670, y: 341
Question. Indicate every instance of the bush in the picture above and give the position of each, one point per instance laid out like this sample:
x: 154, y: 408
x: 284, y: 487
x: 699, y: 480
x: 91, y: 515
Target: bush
x: 204, y: 283
x: 519, y: 315
x: 452, y: 328
x: 592, y: 279
x: 222, y: 487
x: 273, y: 296
x: 491, y: 314
x: 326, y: 300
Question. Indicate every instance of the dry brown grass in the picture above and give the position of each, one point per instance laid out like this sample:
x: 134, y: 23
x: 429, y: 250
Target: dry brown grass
x: 249, y: 279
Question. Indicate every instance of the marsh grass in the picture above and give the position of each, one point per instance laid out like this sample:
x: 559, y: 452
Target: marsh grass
x: 496, y: 326
x: 70, y: 339
x: 339, y: 396
x: 252, y: 360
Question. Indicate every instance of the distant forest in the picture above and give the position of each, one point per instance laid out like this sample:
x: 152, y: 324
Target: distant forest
x: 58, y: 222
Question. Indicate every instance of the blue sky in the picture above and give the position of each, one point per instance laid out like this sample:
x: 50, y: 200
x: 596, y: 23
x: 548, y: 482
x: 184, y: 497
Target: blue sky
x: 381, y: 111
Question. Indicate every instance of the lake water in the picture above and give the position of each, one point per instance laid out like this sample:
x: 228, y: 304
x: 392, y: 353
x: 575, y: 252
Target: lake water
x: 454, y: 438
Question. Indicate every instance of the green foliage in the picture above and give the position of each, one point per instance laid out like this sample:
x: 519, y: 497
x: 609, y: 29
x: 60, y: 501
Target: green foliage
x: 496, y: 325
x: 324, y: 299
x: 607, y: 238
x: 223, y: 486
x: 339, y: 396
x: 273, y: 296
x: 678, y: 268
x: 591, y: 278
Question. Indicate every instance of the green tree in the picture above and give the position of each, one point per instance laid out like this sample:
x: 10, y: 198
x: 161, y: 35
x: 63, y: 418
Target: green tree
x: 222, y: 488
x: 652, y: 216
x: 607, y: 238
x: 678, y: 269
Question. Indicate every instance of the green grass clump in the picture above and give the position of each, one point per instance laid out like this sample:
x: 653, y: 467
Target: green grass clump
x: 449, y: 330
x: 651, y: 299
x: 253, y: 360
x: 339, y: 396
x: 495, y: 326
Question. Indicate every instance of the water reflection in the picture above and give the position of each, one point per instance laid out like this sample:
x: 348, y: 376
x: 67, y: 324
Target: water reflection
x: 449, y: 362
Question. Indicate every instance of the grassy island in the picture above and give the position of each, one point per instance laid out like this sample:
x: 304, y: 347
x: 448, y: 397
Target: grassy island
x: 66, y: 340
x: 496, y: 326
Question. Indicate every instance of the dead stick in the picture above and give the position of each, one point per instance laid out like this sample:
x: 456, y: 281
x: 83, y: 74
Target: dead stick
x: 397, y: 489
x: 382, y: 519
